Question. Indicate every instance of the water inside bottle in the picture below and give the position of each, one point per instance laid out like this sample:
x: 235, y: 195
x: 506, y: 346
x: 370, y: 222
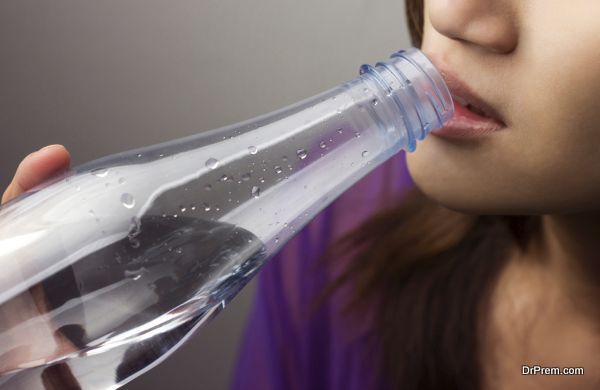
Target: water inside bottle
x: 139, y: 294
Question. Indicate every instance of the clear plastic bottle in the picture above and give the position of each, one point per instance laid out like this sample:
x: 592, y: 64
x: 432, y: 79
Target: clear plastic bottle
x: 107, y: 269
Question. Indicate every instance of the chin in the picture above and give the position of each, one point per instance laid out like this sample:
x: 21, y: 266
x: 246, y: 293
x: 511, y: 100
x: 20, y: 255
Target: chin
x: 443, y: 188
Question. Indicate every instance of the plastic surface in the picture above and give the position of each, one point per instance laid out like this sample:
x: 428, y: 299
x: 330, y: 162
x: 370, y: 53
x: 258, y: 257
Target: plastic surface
x: 108, y: 269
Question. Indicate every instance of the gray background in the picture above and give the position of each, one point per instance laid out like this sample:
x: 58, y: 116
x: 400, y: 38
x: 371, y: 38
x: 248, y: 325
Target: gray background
x: 105, y: 76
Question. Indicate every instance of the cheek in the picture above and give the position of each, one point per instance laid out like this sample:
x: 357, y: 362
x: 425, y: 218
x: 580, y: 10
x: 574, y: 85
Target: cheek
x: 557, y: 70
x: 556, y: 108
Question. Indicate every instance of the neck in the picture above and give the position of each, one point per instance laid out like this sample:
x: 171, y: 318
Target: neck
x: 569, y: 248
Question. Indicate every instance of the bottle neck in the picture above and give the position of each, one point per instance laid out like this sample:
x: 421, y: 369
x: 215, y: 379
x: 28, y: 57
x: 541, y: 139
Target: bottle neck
x: 412, y: 93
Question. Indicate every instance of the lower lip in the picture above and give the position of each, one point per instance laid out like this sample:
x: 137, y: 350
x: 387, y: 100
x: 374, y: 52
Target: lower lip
x: 467, y: 124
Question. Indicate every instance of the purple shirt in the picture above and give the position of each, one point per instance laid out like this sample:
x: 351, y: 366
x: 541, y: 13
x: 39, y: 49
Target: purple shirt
x: 286, y: 349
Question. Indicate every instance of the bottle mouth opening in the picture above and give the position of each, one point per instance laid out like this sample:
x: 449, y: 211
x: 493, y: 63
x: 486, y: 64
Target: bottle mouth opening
x: 437, y: 92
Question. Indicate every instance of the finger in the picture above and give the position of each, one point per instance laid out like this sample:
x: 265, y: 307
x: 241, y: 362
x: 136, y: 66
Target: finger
x: 36, y: 168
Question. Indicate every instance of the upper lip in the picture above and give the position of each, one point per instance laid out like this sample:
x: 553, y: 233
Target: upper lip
x: 461, y: 90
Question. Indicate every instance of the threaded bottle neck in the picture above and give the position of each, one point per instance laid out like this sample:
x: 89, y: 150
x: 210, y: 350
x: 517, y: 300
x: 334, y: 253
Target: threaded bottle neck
x: 414, y: 92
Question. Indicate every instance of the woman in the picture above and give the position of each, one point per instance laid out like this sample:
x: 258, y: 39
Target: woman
x: 489, y: 264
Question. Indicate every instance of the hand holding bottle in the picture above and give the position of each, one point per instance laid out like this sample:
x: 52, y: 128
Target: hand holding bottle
x: 33, y: 170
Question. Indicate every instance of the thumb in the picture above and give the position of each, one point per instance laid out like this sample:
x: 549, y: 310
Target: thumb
x: 37, y: 167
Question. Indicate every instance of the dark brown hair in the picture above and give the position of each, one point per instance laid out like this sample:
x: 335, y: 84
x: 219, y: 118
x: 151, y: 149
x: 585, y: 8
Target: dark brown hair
x: 429, y: 271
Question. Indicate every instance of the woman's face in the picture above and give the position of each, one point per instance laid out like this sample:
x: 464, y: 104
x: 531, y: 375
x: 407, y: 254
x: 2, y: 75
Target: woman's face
x: 537, y: 62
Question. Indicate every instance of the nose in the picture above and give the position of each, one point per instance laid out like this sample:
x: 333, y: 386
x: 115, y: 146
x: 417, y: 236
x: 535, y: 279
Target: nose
x: 489, y: 24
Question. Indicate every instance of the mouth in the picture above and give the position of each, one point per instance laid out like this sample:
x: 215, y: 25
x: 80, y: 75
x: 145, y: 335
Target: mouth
x: 473, y: 116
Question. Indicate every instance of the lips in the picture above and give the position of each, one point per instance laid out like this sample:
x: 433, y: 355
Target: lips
x: 465, y: 103
x: 473, y: 116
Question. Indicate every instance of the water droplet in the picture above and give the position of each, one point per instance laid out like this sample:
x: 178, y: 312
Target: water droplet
x: 208, y: 187
x: 246, y: 176
x: 276, y: 240
x: 255, y: 191
x: 206, y: 206
x: 135, y: 228
x: 365, y: 153
x: 136, y: 277
x: 357, y: 134
x: 322, y: 145
x: 366, y: 90
x: 175, y: 216
x: 212, y: 163
x: 101, y: 172
x: 261, y: 179
x: 278, y: 169
x: 301, y: 154
x: 340, y: 130
x: 134, y: 231
x: 121, y: 180
x: 182, y: 208
x: 139, y: 155
x: 164, y: 215
x: 127, y: 200
x: 193, y: 208
x: 161, y: 155
x: 179, y: 251
x: 224, y: 178
x: 374, y: 102
x: 217, y: 209
x: 252, y: 149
